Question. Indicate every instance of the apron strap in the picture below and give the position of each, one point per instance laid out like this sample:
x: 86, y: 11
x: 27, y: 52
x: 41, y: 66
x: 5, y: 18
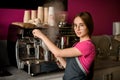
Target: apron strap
x: 80, y: 66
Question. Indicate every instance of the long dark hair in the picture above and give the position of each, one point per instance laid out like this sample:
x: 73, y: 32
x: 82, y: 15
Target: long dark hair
x: 87, y: 18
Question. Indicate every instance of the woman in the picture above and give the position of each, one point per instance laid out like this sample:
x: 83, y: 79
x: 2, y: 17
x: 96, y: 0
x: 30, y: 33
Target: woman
x: 81, y: 55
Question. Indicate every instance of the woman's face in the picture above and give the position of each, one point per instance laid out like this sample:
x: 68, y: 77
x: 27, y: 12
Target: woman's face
x: 80, y: 28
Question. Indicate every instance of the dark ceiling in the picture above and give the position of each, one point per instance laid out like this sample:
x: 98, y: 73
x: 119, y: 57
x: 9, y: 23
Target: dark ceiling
x: 26, y: 4
x: 22, y: 4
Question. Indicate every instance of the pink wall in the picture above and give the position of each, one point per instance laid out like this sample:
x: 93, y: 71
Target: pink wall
x: 7, y: 16
x: 104, y: 14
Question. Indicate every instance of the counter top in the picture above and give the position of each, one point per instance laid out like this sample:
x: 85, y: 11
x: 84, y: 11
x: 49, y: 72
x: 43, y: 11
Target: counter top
x: 105, y: 63
x: 49, y: 76
x: 57, y: 75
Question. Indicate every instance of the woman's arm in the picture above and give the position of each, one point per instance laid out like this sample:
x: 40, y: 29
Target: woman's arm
x: 68, y: 52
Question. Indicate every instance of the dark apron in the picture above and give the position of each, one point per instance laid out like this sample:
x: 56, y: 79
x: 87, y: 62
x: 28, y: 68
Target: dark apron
x: 74, y: 70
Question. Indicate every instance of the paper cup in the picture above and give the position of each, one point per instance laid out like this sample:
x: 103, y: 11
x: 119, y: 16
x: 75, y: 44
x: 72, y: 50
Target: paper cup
x: 33, y: 14
x: 45, y: 15
x: 40, y: 13
x: 26, y: 16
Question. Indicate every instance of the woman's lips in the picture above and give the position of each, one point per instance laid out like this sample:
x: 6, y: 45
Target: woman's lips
x: 78, y: 33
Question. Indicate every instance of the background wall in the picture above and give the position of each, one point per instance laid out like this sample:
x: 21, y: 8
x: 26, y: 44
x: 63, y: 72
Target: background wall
x: 104, y: 14
x: 7, y: 16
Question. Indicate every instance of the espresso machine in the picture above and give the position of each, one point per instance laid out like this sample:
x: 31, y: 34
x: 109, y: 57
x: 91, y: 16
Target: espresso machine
x: 31, y: 54
x: 67, y: 37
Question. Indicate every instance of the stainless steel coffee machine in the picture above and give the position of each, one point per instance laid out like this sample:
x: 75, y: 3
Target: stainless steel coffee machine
x: 31, y: 53
x: 66, y: 37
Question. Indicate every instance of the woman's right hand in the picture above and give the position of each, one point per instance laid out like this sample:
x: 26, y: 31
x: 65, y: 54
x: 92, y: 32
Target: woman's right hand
x: 37, y: 33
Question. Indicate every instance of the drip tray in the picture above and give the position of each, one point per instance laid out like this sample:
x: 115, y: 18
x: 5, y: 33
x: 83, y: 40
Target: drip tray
x: 43, y: 67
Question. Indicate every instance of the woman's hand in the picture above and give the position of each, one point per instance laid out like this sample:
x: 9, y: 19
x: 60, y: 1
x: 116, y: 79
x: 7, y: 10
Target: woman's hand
x: 37, y: 33
x: 59, y: 64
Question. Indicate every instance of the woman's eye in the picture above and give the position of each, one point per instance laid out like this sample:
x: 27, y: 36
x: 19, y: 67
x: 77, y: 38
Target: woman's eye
x: 81, y: 24
x: 74, y: 25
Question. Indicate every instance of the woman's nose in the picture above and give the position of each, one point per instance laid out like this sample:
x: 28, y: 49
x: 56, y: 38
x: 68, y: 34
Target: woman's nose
x: 78, y: 28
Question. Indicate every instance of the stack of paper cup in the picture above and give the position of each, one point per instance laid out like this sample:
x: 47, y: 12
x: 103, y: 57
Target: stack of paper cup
x: 33, y: 14
x: 51, y: 16
x: 116, y: 28
x: 45, y: 15
x: 26, y: 16
x: 40, y: 13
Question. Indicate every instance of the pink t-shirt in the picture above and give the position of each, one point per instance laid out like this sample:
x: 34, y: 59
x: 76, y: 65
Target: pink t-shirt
x: 87, y: 49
